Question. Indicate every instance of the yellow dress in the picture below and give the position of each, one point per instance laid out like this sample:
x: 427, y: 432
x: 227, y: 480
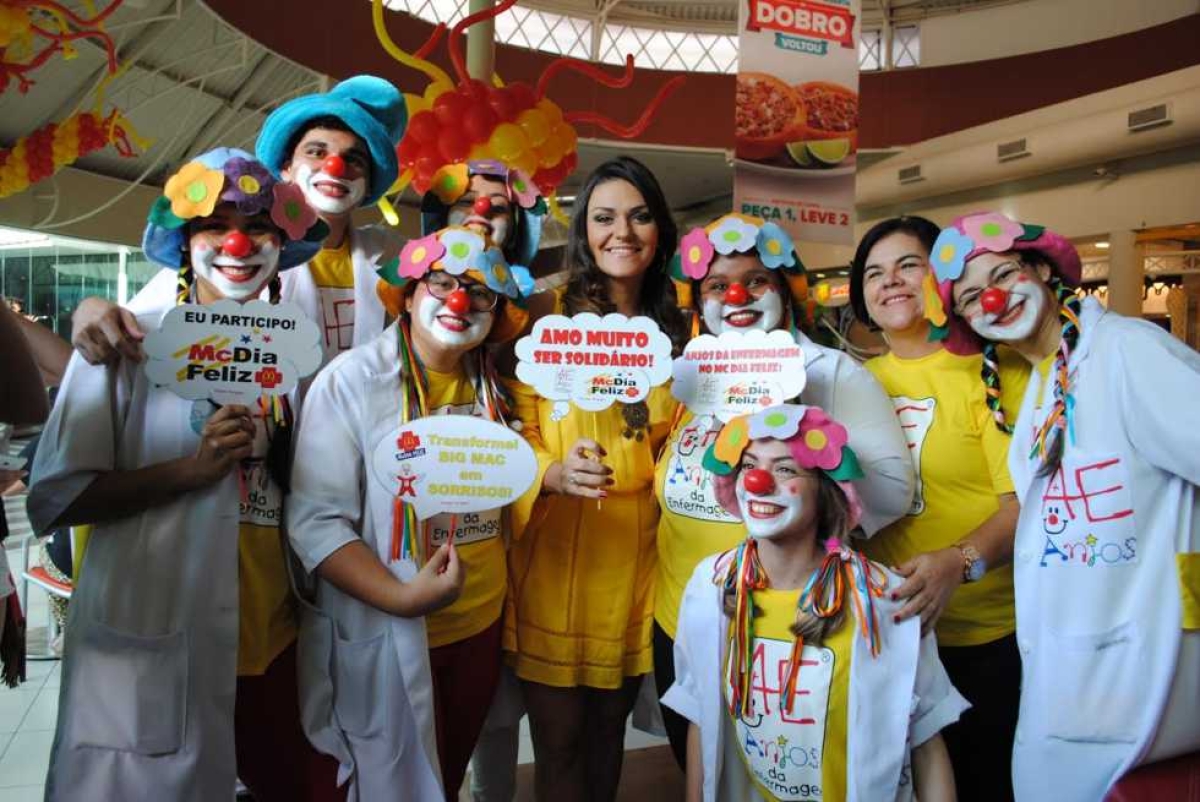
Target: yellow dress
x: 580, y: 604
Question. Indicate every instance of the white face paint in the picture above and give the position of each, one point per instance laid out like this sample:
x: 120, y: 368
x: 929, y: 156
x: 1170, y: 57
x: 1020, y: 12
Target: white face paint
x: 768, y: 516
x: 762, y: 314
x: 1018, y: 320
x: 328, y: 194
x: 452, y: 330
x: 236, y: 279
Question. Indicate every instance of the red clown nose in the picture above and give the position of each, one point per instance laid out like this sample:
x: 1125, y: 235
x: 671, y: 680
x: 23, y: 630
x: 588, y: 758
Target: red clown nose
x: 736, y: 295
x: 334, y: 165
x: 482, y: 206
x: 993, y: 300
x: 457, y: 302
x: 236, y: 244
x: 758, y: 481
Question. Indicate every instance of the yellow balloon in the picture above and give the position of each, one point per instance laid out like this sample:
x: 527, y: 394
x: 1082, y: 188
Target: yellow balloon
x: 553, y: 113
x: 527, y: 161
x: 547, y: 156
x: 508, y: 142
x: 535, y: 125
x: 480, y: 152
x: 415, y: 104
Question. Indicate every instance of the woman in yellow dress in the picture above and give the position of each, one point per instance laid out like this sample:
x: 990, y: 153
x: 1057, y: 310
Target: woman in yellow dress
x: 582, y: 564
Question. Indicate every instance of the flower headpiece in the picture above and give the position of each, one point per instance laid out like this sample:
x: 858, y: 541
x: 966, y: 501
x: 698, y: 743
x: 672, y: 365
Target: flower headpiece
x: 459, y: 251
x: 232, y: 176
x: 738, y: 233
x: 453, y: 181
x: 817, y: 442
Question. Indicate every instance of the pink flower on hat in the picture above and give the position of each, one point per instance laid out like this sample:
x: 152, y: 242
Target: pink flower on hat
x: 290, y: 211
x: 991, y: 231
x: 695, y: 253
x: 523, y: 188
x: 823, y: 438
x: 419, y: 254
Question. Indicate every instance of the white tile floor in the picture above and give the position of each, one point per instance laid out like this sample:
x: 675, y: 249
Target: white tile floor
x: 27, y: 713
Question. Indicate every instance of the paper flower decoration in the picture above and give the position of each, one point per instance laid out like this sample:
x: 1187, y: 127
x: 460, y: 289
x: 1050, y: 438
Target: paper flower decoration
x: 524, y: 190
x: 779, y: 422
x: 775, y: 248
x: 450, y: 183
x: 290, y: 211
x: 248, y: 184
x: 523, y: 279
x: 992, y: 231
x: 418, y: 254
x: 822, y: 439
x: 950, y: 253
x: 496, y: 273
x: 194, y: 190
x: 463, y: 248
x: 732, y: 441
x: 732, y: 234
x: 695, y: 253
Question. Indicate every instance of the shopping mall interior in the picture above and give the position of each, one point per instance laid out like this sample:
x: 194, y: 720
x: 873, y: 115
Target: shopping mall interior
x: 1082, y: 115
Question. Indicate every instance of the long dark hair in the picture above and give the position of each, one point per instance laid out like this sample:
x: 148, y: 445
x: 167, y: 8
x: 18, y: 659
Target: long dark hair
x: 587, y: 287
x: 926, y: 231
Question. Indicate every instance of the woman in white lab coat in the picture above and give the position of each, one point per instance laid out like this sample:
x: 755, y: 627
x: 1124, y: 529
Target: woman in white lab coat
x: 790, y: 667
x: 185, y: 594
x: 370, y: 673
x: 1105, y: 463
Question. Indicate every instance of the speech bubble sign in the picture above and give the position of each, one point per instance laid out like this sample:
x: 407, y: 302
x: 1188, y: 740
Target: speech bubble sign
x: 594, y: 361
x: 738, y: 372
x: 454, y: 464
x: 233, y: 353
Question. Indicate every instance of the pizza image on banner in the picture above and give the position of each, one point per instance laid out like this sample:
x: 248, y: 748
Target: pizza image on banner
x: 796, y: 115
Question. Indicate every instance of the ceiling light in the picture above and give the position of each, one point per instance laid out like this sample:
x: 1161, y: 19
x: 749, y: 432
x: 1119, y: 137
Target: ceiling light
x: 1102, y: 245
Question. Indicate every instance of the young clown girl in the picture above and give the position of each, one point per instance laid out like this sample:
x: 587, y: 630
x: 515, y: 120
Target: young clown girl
x: 797, y: 681
x: 452, y: 294
x: 180, y: 668
x: 1107, y: 557
x: 743, y: 274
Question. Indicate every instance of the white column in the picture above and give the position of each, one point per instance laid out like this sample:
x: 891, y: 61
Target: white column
x: 481, y: 44
x: 1126, y: 270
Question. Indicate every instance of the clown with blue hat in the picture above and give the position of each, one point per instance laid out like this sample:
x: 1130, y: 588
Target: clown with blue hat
x: 339, y: 148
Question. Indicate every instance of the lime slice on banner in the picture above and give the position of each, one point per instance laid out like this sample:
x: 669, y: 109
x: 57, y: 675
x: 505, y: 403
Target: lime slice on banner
x: 799, y: 153
x: 829, y: 151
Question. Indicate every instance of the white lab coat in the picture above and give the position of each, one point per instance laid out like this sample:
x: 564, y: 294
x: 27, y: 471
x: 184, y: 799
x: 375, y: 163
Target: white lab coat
x: 370, y: 247
x: 369, y: 690
x: 855, y: 398
x: 147, y: 698
x: 898, y: 700
x: 1097, y: 593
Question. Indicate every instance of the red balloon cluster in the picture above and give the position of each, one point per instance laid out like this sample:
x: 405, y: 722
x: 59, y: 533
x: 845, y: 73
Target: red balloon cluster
x: 476, y: 121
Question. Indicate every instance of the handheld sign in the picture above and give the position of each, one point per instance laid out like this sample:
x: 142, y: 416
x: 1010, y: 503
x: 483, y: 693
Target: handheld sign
x: 593, y: 361
x: 233, y: 353
x: 454, y: 464
x: 738, y: 373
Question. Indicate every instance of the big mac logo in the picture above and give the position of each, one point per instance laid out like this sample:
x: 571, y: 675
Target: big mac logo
x: 803, y: 18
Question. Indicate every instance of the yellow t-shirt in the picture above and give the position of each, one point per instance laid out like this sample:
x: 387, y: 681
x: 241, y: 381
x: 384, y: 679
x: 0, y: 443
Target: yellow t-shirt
x: 799, y: 755
x: 332, y: 270
x: 476, y: 536
x: 266, y: 612
x: 961, y: 463
x: 692, y: 525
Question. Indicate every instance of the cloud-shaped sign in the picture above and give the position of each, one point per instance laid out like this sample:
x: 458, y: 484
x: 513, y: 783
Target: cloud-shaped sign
x: 454, y: 464
x: 594, y: 361
x: 738, y: 373
x: 233, y: 353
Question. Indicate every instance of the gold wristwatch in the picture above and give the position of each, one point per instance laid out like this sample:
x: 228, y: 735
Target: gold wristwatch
x: 974, y: 566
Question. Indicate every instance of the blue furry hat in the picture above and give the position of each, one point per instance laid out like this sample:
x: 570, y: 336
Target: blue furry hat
x: 370, y: 107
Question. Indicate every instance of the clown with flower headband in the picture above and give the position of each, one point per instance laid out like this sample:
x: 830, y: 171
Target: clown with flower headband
x: 795, y: 678
x: 740, y: 274
x: 380, y: 570
x: 1107, y: 556
x: 183, y: 631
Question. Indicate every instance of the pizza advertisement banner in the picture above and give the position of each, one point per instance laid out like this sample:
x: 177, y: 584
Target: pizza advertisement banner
x: 796, y: 115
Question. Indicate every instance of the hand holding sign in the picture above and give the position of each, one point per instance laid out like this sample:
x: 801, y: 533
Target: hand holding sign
x: 593, y: 361
x: 738, y: 373
x: 233, y: 353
